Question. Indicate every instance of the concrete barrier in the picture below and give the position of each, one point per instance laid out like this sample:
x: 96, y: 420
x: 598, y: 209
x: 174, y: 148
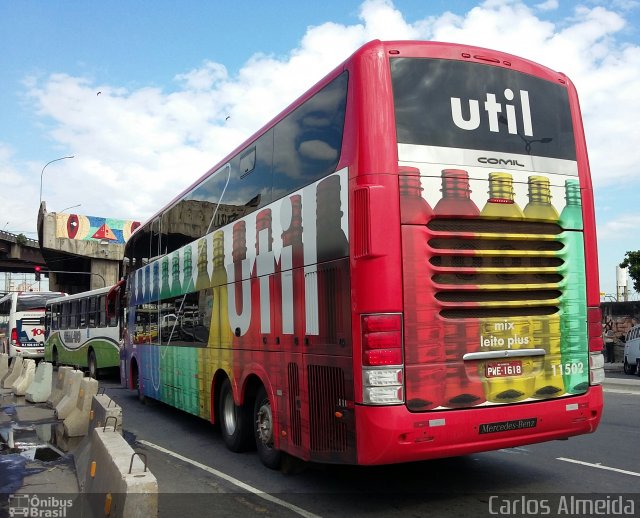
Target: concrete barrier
x: 40, y: 388
x: 71, y: 390
x: 117, y: 482
x: 57, y: 389
x: 76, y: 423
x: 4, y: 365
x: 14, y: 372
x: 20, y: 385
x: 103, y: 408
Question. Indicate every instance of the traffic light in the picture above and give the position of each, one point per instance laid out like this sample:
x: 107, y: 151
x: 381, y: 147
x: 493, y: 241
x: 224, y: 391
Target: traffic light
x: 37, y: 272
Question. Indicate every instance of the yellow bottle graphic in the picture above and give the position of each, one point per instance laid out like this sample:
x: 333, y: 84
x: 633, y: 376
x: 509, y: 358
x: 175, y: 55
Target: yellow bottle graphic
x: 501, y: 203
x: 505, y: 334
x: 202, y: 280
x: 546, y: 334
x: 539, y: 206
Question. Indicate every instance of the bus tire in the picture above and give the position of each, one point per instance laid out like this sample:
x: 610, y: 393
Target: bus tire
x: 264, y: 432
x: 235, y: 421
x: 93, y: 365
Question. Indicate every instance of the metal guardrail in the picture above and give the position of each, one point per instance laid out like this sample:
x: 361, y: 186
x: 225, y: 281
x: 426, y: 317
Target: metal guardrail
x: 13, y: 238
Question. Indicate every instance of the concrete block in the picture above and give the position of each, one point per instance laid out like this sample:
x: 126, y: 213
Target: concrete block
x: 4, y: 365
x: 119, y: 475
x: 40, y: 388
x: 57, y: 389
x: 14, y: 372
x: 20, y: 385
x: 104, y: 412
x: 76, y: 423
x: 71, y: 390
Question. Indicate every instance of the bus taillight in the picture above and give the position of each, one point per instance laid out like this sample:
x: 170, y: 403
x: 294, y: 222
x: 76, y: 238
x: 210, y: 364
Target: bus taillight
x: 596, y: 359
x: 383, y: 369
x: 14, y: 337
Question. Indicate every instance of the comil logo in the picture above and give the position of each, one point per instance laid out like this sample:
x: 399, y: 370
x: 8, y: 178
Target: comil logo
x: 496, y: 113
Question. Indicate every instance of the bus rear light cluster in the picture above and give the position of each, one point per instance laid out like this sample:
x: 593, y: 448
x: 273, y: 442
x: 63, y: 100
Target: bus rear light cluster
x: 14, y: 337
x: 596, y: 368
x: 383, y: 369
x: 596, y: 360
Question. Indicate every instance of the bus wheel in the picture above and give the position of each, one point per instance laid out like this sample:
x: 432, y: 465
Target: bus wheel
x: 263, y: 429
x: 93, y: 365
x: 235, y: 421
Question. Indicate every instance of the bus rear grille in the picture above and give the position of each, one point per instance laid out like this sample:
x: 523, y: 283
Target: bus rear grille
x: 485, y: 268
x: 326, y: 390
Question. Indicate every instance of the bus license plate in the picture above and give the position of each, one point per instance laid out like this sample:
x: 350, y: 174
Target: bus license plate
x: 500, y: 369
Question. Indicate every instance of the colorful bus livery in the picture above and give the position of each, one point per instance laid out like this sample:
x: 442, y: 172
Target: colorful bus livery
x: 82, y: 331
x: 22, y: 329
x: 401, y: 266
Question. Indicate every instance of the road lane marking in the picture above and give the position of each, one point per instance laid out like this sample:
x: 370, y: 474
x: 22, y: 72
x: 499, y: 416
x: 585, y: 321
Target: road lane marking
x: 599, y: 466
x: 234, y: 481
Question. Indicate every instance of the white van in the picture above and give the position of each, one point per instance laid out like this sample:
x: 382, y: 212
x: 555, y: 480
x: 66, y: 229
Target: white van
x: 632, y: 351
x: 22, y: 322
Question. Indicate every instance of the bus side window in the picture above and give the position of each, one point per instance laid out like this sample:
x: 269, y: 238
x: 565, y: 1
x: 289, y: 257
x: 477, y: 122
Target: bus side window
x: 83, y: 313
x: 92, y: 311
x: 102, y: 300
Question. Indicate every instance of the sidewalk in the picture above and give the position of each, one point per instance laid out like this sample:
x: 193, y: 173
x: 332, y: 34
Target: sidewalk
x: 627, y: 383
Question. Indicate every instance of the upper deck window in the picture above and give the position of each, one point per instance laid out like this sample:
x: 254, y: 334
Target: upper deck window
x: 465, y: 105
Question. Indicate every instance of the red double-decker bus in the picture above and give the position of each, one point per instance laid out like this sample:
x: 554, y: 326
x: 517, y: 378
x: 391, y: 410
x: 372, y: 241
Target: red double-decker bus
x: 400, y: 266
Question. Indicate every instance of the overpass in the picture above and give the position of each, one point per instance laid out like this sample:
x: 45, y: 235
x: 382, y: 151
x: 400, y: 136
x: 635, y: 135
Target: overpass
x: 19, y: 254
x: 81, y: 252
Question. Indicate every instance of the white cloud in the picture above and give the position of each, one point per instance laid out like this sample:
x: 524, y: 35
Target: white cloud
x: 549, y: 5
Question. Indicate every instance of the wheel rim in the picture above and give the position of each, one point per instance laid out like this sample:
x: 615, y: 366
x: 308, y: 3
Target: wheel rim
x: 229, y: 413
x: 92, y: 366
x: 264, y: 424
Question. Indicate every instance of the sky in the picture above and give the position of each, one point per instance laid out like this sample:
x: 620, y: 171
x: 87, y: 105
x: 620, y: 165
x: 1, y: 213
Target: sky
x: 148, y: 95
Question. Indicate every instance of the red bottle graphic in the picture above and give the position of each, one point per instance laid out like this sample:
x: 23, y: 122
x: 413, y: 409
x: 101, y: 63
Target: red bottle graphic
x: 262, y: 322
x: 290, y: 284
x: 424, y: 354
x: 414, y: 209
x: 456, y: 199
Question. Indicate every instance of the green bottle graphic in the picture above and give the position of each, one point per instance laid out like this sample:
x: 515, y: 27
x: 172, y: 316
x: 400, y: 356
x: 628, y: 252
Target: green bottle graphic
x: 176, y: 288
x: 573, y: 345
x: 187, y: 270
x: 165, y: 290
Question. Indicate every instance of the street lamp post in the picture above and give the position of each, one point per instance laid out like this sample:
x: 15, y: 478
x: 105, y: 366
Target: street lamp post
x: 72, y: 207
x: 42, y: 173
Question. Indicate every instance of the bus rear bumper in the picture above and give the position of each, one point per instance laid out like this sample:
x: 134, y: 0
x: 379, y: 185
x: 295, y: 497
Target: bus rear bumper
x: 388, y: 435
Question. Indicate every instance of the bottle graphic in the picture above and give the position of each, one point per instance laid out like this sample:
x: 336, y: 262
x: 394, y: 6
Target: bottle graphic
x: 573, y: 348
x: 265, y: 268
x: 165, y: 289
x: 501, y: 203
x: 539, y: 206
x: 146, y: 297
x: 176, y: 287
x: 202, y: 280
x: 331, y: 244
x: 139, y: 286
x: 414, y: 209
x: 424, y: 352
x: 456, y: 195
x: 220, y: 335
x: 546, y: 330
x: 155, y: 281
x: 239, y: 293
x: 187, y: 270
x: 289, y: 285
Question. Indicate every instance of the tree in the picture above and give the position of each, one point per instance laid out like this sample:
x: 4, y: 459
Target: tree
x: 632, y: 264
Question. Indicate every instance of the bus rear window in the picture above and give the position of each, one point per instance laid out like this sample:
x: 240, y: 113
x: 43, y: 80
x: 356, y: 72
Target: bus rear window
x: 34, y: 300
x: 457, y: 104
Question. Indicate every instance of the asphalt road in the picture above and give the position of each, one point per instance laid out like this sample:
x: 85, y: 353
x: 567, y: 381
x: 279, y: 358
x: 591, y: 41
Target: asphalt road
x: 198, y: 476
